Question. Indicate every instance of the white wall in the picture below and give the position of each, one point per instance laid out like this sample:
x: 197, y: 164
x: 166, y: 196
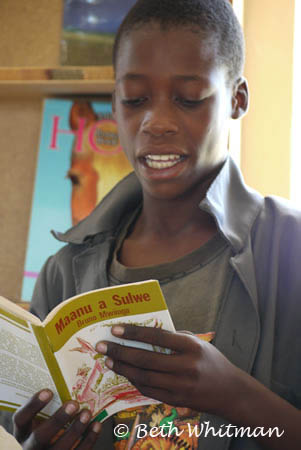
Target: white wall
x: 266, y: 130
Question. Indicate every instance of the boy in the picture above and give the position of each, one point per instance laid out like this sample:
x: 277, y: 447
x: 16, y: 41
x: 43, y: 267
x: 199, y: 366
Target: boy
x: 225, y: 257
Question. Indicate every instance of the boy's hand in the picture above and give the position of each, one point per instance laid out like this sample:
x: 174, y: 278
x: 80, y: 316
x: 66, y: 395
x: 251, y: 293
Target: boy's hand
x: 195, y: 375
x: 33, y: 434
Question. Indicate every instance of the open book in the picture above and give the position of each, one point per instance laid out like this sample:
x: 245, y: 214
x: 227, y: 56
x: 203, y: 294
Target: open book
x: 59, y: 353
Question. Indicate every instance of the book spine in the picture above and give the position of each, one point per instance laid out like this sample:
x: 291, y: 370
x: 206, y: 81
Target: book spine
x: 52, y: 364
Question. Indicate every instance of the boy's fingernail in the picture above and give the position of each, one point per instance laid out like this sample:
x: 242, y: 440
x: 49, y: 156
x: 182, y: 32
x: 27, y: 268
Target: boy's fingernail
x: 109, y: 363
x: 102, y: 348
x: 44, y: 396
x: 96, y: 427
x: 118, y: 330
x: 70, y: 408
x: 84, y: 417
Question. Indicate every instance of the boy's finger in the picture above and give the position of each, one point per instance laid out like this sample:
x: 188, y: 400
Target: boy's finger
x: 91, y: 437
x: 139, y: 358
x: 141, y: 377
x: 45, y: 433
x: 75, y: 432
x: 178, y: 342
x: 24, y: 417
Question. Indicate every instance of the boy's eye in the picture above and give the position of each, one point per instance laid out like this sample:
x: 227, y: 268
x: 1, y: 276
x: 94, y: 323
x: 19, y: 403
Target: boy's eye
x: 188, y: 103
x: 134, y: 101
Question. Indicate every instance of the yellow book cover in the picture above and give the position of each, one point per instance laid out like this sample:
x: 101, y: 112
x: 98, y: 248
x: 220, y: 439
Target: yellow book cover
x: 59, y: 353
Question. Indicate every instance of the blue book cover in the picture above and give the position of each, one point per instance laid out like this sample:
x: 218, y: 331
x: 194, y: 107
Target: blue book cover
x: 79, y: 161
x: 89, y: 28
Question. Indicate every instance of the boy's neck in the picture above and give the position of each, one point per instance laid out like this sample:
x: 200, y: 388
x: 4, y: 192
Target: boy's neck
x: 169, y: 219
x: 166, y: 231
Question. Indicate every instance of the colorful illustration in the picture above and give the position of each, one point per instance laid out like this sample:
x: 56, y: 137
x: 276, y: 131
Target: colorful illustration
x: 89, y: 28
x: 89, y: 378
x: 90, y: 392
x: 96, y: 391
x: 78, y: 143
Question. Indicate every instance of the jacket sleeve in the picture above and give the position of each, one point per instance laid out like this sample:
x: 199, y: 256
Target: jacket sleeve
x: 48, y: 290
x: 56, y: 281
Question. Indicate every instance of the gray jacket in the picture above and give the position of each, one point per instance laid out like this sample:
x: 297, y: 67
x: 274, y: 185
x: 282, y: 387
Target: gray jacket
x: 259, y: 325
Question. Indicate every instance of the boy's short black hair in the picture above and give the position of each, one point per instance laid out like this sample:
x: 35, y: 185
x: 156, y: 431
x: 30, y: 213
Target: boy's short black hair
x: 212, y: 17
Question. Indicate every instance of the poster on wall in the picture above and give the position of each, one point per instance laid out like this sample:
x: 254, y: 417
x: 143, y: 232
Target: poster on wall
x: 79, y: 161
x: 89, y: 28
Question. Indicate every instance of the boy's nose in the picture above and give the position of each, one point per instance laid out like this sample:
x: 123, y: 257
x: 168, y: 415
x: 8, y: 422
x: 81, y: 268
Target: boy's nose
x: 158, y: 123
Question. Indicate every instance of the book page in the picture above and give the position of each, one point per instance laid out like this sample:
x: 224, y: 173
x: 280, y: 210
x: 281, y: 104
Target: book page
x: 18, y: 311
x: 7, y: 441
x: 23, y: 370
x: 76, y: 328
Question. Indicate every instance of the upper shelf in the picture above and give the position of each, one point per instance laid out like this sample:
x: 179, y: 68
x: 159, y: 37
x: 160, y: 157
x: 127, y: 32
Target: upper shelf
x: 44, y: 81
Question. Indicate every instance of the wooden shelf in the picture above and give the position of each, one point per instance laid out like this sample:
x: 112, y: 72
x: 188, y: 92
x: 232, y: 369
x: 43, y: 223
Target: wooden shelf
x: 44, y: 81
x: 52, y: 88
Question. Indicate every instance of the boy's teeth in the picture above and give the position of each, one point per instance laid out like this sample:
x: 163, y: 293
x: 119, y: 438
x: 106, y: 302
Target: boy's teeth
x: 163, y: 157
x: 162, y: 161
x: 160, y: 165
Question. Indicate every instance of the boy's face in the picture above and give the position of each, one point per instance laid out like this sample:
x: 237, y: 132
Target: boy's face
x: 172, y: 104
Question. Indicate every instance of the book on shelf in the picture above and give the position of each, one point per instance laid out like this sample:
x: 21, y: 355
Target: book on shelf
x: 89, y: 29
x: 79, y: 161
x: 59, y: 353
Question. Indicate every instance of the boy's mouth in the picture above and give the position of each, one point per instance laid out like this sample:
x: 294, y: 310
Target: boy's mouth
x: 162, y: 161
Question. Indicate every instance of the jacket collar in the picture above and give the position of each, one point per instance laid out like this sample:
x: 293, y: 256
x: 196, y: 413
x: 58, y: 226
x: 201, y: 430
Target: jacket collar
x: 233, y: 205
x: 105, y: 218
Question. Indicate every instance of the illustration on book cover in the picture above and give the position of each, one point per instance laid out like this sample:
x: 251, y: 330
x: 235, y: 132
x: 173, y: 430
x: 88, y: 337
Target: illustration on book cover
x: 80, y: 159
x: 94, y: 385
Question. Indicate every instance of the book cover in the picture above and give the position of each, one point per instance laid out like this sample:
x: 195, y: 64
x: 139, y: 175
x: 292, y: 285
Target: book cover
x: 89, y: 29
x: 79, y: 161
x: 59, y: 353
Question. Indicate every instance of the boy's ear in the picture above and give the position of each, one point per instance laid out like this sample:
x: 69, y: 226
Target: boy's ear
x: 113, y: 104
x: 240, y: 98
